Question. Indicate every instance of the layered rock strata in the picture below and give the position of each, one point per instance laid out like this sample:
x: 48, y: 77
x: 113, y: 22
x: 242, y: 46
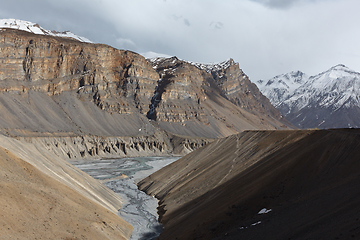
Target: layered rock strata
x: 51, y: 85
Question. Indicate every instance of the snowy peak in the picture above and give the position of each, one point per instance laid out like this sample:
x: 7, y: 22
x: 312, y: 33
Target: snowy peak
x: 338, y: 78
x: 304, y: 100
x: 338, y: 87
x: 339, y: 74
x: 36, y: 29
x: 339, y: 67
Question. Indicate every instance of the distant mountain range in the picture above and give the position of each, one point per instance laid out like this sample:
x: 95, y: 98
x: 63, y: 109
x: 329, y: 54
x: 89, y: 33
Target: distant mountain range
x: 327, y: 100
x: 36, y: 29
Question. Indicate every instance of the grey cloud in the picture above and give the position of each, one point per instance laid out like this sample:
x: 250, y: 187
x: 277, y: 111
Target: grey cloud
x: 277, y: 3
x: 217, y: 25
x: 265, y: 42
x: 186, y: 22
x: 125, y: 43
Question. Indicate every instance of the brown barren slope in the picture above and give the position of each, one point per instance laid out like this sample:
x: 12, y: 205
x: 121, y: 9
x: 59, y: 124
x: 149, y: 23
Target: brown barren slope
x: 36, y: 206
x: 309, y: 179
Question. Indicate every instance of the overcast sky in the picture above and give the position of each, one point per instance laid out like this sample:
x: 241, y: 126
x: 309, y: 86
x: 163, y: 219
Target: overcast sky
x: 266, y: 37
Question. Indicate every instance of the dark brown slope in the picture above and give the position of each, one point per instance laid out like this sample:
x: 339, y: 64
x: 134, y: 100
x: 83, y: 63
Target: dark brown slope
x: 309, y: 180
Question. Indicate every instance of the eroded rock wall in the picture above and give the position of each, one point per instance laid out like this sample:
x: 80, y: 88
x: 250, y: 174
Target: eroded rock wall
x: 90, y: 147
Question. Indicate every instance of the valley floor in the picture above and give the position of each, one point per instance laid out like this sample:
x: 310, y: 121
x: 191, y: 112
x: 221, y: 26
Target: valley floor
x: 139, y: 209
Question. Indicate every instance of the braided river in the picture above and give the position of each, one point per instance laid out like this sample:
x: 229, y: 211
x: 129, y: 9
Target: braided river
x: 121, y: 176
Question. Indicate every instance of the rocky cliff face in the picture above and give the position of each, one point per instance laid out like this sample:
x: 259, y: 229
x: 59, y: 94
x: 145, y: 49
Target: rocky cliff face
x: 187, y: 91
x: 179, y: 82
x: 195, y: 81
x: 51, y: 85
x: 238, y: 88
x: 54, y: 65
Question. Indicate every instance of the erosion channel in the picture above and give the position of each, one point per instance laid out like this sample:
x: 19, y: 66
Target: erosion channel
x: 121, y: 176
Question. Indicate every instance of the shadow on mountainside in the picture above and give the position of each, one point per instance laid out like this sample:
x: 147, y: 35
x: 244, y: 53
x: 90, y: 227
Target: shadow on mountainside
x: 311, y: 186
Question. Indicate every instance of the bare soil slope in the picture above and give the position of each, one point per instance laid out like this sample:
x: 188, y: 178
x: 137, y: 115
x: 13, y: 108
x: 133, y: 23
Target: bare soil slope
x: 36, y: 206
x: 309, y: 180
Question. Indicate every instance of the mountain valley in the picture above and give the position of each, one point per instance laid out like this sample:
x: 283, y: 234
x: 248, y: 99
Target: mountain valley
x: 63, y: 98
x: 243, y: 169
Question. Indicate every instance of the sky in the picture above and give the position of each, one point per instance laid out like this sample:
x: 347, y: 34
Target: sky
x: 266, y: 37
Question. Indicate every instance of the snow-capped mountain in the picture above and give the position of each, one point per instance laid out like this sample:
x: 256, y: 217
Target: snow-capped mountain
x: 36, y: 29
x: 330, y: 99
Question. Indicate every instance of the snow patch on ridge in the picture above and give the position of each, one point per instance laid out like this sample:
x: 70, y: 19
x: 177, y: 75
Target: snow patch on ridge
x: 36, y: 29
x: 213, y: 67
x: 208, y: 67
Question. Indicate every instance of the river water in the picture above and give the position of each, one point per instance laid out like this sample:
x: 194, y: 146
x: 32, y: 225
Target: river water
x: 138, y: 209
